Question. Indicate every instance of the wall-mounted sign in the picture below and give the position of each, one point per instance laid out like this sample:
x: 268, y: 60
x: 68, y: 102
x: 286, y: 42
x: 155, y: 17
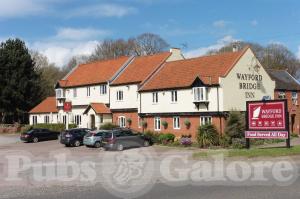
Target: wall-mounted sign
x: 267, y: 120
x: 67, y: 106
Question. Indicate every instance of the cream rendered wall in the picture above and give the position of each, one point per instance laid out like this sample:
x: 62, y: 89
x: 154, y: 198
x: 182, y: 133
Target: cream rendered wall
x: 40, y: 118
x: 106, y: 118
x: 235, y: 98
x: 176, y: 55
x: 184, y: 102
x: 130, y: 97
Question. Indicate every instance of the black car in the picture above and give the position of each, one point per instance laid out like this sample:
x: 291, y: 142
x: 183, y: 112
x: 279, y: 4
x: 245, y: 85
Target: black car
x: 73, y: 137
x: 37, y: 134
x: 121, y: 138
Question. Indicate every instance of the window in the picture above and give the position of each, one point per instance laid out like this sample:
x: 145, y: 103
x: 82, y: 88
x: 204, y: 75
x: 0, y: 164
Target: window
x: 65, y: 119
x: 60, y: 93
x: 88, y: 91
x: 281, y: 95
x: 75, y: 92
x: 205, y: 120
x: 122, y: 121
x: 139, y: 122
x: 46, y: 119
x: 103, y: 90
x: 155, y: 97
x: 101, y: 119
x: 157, y: 123
x: 200, y: 94
x: 78, y: 120
x: 34, y: 119
x: 174, y: 96
x: 119, y: 95
x: 295, y: 98
x: 176, y: 122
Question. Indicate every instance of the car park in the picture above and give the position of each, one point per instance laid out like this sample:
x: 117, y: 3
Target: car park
x: 73, y: 137
x: 94, y: 138
x: 122, y: 138
x: 38, y: 134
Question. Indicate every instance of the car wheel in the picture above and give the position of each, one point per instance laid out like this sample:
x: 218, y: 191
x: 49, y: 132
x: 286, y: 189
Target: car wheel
x: 76, y: 143
x: 146, y: 143
x: 120, y: 147
x: 97, y: 145
x: 35, y: 140
x: 67, y: 145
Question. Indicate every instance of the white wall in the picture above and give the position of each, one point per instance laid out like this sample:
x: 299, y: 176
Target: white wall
x: 130, y: 97
x: 40, y: 118
x: 185, y: 98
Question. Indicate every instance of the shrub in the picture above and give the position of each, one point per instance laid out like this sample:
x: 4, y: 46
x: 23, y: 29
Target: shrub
x: 186, y: 140
x: 235, y: 125
x: 224, y: 141
x: 144, y: 124
x: 165, y: 124
x: 129, y: 121
x: 108, y: 126
x: 207, y: 135
x: 52, y: 127
x: 294, y: 135
x: 166, y: 138
x: 238, y: 143
x: 152, y: 135
x: 187, y: 123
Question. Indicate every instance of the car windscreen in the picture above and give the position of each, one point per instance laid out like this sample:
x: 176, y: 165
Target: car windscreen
x: 29, y: 132
x: 107, y: 135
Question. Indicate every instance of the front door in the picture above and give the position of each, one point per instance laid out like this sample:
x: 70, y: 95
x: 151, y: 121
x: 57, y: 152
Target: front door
x: 92, y: 119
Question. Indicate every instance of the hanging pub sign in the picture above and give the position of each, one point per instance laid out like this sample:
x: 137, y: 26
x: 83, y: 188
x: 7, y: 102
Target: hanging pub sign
x: 67, y: 106
x: 267, y: 120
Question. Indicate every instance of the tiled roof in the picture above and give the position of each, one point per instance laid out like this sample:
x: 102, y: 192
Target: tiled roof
x: 140, y: 68
x: 93, y: 73
x: 181, y: 74
x: 283, y: 80
x: 46, y: 106
x: 99, y: 108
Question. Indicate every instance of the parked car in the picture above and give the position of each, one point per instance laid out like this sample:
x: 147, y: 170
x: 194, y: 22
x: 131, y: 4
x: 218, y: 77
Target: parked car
x: 121, y: 138
x: 37, y: 134
x: 94, y: 138
x: 73, y: 137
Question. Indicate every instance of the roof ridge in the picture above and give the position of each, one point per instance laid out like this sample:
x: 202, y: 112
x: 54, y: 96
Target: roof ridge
x: 104, y: 60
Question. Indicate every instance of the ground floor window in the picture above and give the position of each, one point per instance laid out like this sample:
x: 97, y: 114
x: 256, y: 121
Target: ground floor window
x: 176, y: 122
x: 205, y: 120
x: 46, y: 119
x: 34, y: 119
x: 157, y: 123
x: 78, y: 120
x: 65, y: 119
x: 122, y: 121
x: 140, y: 122
x: 101, y: 119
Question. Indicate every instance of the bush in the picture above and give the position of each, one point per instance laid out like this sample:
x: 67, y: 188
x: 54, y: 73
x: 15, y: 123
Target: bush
x: 129, y: 121
x: 238, y: 143
x: 186, y: 140
x: 207, y: 135
x: 108, y: 126
x: 152, y: 136
x: 165, y: 124
x: 235, y: 125
x: 294, y: 135
x: 144, y: 124
x: 52, y: 127
x: 187, y: 123
x: 224, y: 141
x: 166, y: 138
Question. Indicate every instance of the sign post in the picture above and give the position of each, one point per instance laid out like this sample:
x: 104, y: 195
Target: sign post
x: 67, y: 109
x: 267, y: 120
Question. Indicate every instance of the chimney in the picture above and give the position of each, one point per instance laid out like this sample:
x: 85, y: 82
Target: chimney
x: 175, y: 54
x: 235, y: 48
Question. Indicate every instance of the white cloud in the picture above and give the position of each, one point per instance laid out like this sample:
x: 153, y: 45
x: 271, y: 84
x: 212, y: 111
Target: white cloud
x: 254, y: 23
x: 203, y: 50
x: 19, y: 8
x: 103, y: 10
x: 220, y: 24
x: 80, y: 33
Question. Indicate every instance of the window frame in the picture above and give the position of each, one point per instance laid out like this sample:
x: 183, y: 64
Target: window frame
x: 103, y: 89
x: 176, y: 122
x: 157, y: 123
x: 200, y: 94
x: 120, y: 95
x: 155, y: 97
x: 88, y: 91
x: 122, y: 121
x: 74, y: 92
x: 174, y: 96
x: 204, y: 118
x: 46, y: 119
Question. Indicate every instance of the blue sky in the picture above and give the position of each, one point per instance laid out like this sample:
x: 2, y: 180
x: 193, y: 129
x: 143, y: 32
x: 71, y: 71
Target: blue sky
x: 61, y: 29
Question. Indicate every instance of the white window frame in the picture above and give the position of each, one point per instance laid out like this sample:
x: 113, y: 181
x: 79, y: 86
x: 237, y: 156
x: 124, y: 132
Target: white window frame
x: 157, y: 123
x: 34, y: 119
x: 77, y: 120
x: 46, y: 119
x: 295, y: 97
x: 176, y: 122
x: 200, y: 94
x: 281, y: 95
x: 122, y: 121
x: 174, y: 96
x: 205, y: 120
x: 59, y: 93
x: 120, y: 95
x: 88, y: 91
x: 139, y: 122
x: 65, y: 119
x: 103, y: 89
x: 155, y: 97
x: 75, y: 92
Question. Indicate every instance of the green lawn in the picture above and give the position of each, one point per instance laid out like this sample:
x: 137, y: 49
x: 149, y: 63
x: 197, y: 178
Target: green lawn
x: 251, y: 153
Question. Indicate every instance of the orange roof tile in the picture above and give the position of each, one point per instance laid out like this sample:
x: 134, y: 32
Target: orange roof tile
x: 182, y: 73
x: 100, y: 108
x: 140, y: 68
x: 93, y: 73
x: 46, y: 106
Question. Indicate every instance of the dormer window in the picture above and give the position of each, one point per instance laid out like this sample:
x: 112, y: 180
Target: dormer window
x: 200, y: 94
x: 60, y: 93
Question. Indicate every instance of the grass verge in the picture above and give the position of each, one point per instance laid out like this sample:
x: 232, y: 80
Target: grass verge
x: 252, y: 153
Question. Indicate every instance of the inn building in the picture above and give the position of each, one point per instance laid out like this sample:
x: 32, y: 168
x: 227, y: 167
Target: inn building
x: 165, y: 92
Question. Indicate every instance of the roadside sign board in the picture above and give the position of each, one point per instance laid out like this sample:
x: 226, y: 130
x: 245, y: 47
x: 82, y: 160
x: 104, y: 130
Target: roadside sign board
x: 267, y: 120
x: 67, y: 106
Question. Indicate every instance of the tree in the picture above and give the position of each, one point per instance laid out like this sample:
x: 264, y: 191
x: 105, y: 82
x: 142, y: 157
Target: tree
x: 20, y: 88
x: 74, y: 61
x: 149, y: 44
x: 235, y: 125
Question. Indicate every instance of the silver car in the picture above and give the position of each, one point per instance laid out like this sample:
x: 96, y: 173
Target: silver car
x: 94, y: 138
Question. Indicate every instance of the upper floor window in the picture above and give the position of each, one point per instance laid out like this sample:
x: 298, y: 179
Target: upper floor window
x: 88, y: 91
x: 281, y: 95
x: 157, y: 123
x: 205, y: 120
x: 120, y: 96
x: 200, y: 94
x: 155, y: 97
x: 75, y: 92
x: 46, y: 119
x: 60, y: 93
x: 176, y: 122
x: 122, y: 121
x: 103, y: 89
x: 295, y: 98
x: 174, y: 96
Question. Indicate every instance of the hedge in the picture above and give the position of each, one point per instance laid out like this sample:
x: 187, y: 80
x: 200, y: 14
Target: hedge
x: 52, y: 127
